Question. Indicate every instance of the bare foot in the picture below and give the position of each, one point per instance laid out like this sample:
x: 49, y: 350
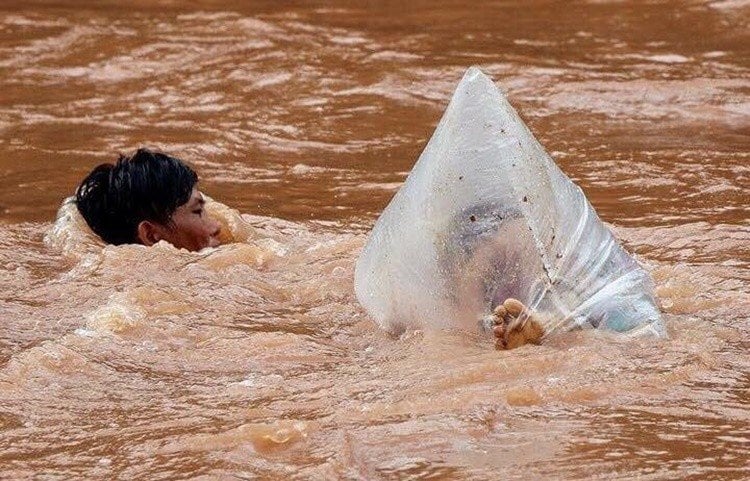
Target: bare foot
x: 516, y: 325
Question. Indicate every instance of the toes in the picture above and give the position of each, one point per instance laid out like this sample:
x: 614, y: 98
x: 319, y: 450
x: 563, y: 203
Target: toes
x: 499, y: 331
x: 516, y: 324
x: 514, y: 307
x: 500, y: 312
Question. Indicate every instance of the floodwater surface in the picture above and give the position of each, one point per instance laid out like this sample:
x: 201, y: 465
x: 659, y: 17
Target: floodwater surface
x: 254, y: 360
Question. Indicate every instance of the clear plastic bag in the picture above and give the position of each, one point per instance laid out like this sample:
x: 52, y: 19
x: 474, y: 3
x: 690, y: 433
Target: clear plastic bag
x: 485, y: 215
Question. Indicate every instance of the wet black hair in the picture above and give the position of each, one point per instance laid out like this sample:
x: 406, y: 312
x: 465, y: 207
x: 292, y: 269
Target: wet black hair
x: 115, y: 198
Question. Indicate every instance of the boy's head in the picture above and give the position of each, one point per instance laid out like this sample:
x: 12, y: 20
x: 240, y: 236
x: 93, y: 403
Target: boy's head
x: 145, y: 198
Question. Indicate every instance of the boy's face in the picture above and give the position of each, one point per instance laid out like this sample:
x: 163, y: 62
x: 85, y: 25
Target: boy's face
x: 191, y: 228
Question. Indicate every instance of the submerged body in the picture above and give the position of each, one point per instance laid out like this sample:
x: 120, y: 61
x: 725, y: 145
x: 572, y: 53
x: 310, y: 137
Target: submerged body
x: 486, y: 215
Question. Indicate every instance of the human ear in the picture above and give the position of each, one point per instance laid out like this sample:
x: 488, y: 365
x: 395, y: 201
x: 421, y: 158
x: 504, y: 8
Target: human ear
x: 149, y: 233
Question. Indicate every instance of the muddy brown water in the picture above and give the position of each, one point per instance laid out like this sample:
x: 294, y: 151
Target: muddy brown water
x: 255, y: 361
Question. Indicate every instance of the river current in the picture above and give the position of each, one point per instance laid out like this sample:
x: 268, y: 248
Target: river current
x: 254, y: 360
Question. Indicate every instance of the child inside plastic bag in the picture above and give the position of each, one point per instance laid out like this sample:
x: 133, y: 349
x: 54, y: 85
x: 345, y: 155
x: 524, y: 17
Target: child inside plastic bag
x: 479, y: 248
x: 487, y: 229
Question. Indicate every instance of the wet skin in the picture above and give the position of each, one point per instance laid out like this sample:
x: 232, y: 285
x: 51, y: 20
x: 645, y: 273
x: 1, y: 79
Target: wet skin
x: 189, y: 227
x: 516, y: 325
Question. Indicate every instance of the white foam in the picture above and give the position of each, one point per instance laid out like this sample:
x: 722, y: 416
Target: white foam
x: 669, y: 58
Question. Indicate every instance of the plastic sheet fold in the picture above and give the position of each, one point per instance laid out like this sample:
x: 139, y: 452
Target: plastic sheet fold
x: 485, y: 215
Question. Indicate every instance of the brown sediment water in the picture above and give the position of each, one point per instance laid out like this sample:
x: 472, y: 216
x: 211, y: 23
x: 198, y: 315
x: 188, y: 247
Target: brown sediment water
x: 255, y: 361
